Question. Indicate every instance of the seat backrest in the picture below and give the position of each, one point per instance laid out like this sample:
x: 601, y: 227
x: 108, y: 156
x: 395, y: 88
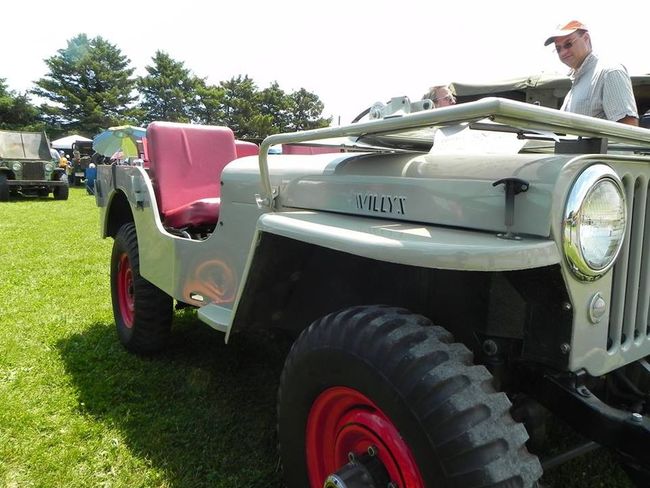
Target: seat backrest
x: 186, y: 161
x: 245, y: 148
x: 304, y: 149
x: 143, y: 152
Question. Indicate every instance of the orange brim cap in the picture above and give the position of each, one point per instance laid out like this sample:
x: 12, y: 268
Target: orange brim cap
x: 565, y: 30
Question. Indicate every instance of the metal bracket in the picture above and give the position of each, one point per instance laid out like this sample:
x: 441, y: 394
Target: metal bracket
x: 136, y: 184
x: 266, y: 201
x: 398, y: 106
x: 513, y: 187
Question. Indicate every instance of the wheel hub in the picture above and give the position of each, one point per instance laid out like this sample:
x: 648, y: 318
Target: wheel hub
x: 343, y: 421
x: 366, y: 471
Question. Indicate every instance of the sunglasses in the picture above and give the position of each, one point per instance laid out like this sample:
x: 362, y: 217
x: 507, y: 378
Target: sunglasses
x: 567, y: 45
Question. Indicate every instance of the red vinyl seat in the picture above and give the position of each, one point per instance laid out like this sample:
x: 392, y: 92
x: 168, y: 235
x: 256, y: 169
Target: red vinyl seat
x: 245, y: 148
x: 186, y: 162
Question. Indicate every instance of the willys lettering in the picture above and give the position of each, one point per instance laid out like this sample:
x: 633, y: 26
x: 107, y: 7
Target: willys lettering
x: 388, y: 204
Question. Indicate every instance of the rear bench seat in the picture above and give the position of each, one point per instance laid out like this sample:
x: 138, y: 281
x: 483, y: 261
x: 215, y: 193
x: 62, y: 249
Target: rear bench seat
x: 186, y: 162
x: 245, y: 148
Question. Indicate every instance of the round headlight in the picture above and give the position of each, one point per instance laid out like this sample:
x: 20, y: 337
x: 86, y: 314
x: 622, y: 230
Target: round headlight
x: 49, y: 167
x: 594, y: 222
x: 17, y: 166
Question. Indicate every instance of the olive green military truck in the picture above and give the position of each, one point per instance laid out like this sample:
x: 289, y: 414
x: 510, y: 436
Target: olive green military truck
x: 27, y: 167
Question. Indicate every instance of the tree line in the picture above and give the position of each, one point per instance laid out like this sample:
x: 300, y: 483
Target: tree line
x: 91, y: 86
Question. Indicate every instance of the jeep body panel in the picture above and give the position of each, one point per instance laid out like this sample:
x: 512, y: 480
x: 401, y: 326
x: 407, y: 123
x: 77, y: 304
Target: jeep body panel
x: 412, y: 208
x: 411, y: 244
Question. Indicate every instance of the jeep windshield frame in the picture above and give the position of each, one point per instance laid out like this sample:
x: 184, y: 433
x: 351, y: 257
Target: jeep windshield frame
x: 402, y: 134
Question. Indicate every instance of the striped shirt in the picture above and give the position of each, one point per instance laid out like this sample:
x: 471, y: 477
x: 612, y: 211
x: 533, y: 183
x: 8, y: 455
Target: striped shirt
x: 601, y: 90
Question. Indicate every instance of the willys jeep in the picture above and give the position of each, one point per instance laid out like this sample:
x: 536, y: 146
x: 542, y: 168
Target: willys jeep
x: 452, y: 277
x: 27, y: 166
x: 82, y: 152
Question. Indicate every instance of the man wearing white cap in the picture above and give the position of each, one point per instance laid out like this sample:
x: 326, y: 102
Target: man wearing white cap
x: 599, y: 89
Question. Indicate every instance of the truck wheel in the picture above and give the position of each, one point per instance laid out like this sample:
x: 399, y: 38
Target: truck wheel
x: 386, y: 389
x: 60, y: 192
x: 4, y: 188
x: 143, y: 312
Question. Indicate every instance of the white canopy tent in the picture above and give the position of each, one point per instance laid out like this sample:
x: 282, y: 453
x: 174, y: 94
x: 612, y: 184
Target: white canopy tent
x: 66, y: 142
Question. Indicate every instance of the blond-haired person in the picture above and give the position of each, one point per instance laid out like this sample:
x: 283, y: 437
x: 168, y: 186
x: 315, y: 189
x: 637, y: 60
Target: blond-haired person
x: 441, y: 96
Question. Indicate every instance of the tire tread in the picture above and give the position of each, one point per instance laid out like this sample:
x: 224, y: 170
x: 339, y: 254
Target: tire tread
x: 465, y: 419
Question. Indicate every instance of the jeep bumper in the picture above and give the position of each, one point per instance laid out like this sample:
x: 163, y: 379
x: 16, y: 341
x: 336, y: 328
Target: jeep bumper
x: 624, y: 431
x: 36, y: 183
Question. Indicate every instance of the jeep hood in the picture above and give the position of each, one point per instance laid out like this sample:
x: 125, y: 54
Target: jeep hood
x: 448, y: 190
x: 24, y: 146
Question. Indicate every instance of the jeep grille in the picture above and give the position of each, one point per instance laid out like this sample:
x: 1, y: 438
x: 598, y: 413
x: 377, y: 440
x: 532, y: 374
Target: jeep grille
x: 630, y: 300
x: 33, y: 171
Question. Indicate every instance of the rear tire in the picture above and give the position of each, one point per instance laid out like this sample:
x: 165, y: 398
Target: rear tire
x: 384, y: 377
x: 143, y: 313
x: 4, y: 188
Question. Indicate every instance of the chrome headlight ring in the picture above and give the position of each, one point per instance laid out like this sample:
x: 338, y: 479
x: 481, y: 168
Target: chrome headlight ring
x: 16, y: 166
x: 595, y: 219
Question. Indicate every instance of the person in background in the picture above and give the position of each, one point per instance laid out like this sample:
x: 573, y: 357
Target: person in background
x: 91, y: 176
x: 68, y: 169
x: 118, y: 157
x: 599, y: 89
x: 441, y: 96
x: 63, y: 161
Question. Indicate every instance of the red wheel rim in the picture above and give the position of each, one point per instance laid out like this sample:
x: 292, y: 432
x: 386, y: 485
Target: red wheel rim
x: 125, y: 290
x: 343, y: 420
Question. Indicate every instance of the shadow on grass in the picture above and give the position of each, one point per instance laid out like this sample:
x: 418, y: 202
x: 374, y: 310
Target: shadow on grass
x: 203, y: 412
x: 18, y: 198
x: 22, y: 197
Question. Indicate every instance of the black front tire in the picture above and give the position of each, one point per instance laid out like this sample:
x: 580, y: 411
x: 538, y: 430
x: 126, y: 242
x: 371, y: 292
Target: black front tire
x: 376, y: 365
x: 143, y: 313
x: 61, y: 192
x: 4, y: 188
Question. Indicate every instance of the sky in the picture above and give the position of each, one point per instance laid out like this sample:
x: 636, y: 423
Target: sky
x: 349, y: 53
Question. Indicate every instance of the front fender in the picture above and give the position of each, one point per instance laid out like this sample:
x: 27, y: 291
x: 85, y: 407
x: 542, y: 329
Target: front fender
x: 284, y: 239
x: 412, y: 244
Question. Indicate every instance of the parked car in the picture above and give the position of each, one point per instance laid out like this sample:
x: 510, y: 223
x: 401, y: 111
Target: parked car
x: 27, y: 166
x: 453, y: 279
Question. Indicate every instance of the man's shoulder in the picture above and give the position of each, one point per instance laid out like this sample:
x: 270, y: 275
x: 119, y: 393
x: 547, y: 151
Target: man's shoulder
x: 608, y: 65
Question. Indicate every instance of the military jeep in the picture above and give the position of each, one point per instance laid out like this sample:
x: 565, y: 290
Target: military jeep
x: 27, y: 166
x: 82, y: 152
x: 453, y: 278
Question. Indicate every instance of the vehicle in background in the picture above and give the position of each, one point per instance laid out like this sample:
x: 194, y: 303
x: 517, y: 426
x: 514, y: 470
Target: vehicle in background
x: 82, y: 152
x: 27, y: 166
x: 547, y: 90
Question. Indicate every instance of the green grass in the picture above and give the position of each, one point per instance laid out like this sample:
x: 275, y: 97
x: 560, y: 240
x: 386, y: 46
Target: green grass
x: 76, y: 410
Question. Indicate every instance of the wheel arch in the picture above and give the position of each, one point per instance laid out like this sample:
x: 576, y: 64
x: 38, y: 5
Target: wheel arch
x: 118, y: 213
x: 290, y: 283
